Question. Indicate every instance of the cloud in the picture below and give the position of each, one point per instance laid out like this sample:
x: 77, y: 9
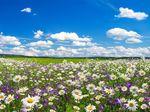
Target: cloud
x: 38, y: 34
x: 1, y: 51
x: 133, y: 41
x: 85, y: 48
x: 62, y: 36
x: 9, y: 40
x: 41, y: 44
x: 93, y: 51
x: 122, y: 34
x: 27, y: 10
x: 129, y: 13
x: 80, y: 43
x: 19, y: 50
x: 108, y: 4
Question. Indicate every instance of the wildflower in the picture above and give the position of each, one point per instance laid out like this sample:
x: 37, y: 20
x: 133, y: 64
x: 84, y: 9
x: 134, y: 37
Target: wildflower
x: 82, y: 78
x: 101, y: 83
x: 69, y: 82
x: 52, y: 110
x: 26, y: 108
x: 124, y: 88
x: 39, y: 106
x: 145, y: 85
x: 132, y: 105
x: 61, y: 92
x: 17, y: 78
x: 22, y: 90
x: 9, y: 99
x: 141, y: 90
x: 123, y: 100
x: 2, y: 106
x: 141, y: 99
x: 76, y: 108
x: 76, y: 92
x: 90, y: 108
x: 113, y: 77
x: 109, y: 91
x: 2, y: 96
x: 142, y: 73
x: 133, y: 89
x: 144, y: 106
x: 90, y: 87
x: 51, y: 98
x: 30, y: 101
x: 95, y: 76
x: 98, y: 97
x: 50, y: 103
x: 97, y: 102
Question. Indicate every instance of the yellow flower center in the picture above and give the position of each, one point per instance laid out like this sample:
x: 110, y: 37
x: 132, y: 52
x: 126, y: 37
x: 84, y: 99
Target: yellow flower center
x: 1, y: 97
x: 9, y: 99
x: 77, y: 93
x: 30, y: 100
x: 131, y: 104
x: 17, y: 78
x: 108, y: 91
x: 90, y: 108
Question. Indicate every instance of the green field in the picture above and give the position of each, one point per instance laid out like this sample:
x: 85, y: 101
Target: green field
x: 84, y: 86
x: 46, y: 61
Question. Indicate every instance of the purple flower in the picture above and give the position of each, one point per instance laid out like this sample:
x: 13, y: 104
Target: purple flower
x: 118, y: 101
x: 101, y: 107
x: 129, y: 85
x: 16, y: 97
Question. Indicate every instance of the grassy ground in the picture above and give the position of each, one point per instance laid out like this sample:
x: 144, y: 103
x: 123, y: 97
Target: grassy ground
x: 49, y: 60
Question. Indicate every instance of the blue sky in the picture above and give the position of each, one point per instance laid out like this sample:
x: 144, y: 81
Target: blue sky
x: 105, y: 27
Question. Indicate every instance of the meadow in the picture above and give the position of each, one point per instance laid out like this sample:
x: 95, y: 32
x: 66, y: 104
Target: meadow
x: 74, y: 85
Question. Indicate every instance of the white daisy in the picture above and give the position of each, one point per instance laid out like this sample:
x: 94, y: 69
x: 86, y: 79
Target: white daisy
x: 17, y: 78
x: 134, y: 89
x: 132, y: 105
x: 9, y: 99
x: 76, y: 92
x: 142, y: 73
x: 2, y: 96
x: 61, y: 92
x: 90, y: 108
x: 90, y: 87
x: 52, y: 110
x: 2, y: 106
x: 124, y: 88
x: 109, y: 91
x: 30, y: 101
x: 144, y: 106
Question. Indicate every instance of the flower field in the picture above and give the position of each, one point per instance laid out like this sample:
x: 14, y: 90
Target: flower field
x: 92, y: 86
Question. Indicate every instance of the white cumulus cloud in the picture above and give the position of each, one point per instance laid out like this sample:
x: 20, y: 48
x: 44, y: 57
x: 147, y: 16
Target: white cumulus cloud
x: 80, y: 43
x: 133, y: 41
x: 122, y: 34
x: 129, y: 13
x: 38, y: 34
x: 68, y: 36
x: 27, y: 10
x: 9, y: 40
x: 42, y: 44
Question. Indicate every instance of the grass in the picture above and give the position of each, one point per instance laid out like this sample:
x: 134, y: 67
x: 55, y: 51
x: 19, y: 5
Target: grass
x: 46, y: 61
x: 62, y: 86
